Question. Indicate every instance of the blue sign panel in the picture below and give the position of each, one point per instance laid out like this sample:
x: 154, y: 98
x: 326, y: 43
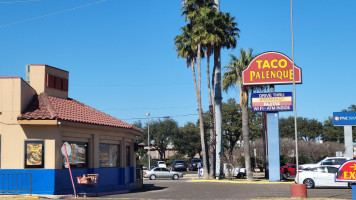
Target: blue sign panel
x: 272, y: 102
x: 344, y: 118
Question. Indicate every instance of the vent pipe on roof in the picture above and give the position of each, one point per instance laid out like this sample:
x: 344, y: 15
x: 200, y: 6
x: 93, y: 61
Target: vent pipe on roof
x: 28, y: 74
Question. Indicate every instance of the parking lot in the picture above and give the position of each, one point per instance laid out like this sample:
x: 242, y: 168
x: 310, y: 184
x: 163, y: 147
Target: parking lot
x: 190, y: 187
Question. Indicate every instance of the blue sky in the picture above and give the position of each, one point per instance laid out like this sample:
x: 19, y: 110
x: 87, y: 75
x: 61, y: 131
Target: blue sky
x: 121, y: 57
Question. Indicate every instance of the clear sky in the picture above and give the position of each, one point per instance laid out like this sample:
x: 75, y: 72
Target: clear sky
x: 121, y: 56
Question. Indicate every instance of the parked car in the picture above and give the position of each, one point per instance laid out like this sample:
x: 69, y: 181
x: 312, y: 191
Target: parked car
x: 321, y: 176
x: 179, y: 165
x: 193, y: 164
x: 328, y: 161
x: 161, y: 164
x: 233, y: 172
x: 161, y: 172
x: 288, y: 170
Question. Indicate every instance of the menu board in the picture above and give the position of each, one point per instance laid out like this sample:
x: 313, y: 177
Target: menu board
x: 34, y: 154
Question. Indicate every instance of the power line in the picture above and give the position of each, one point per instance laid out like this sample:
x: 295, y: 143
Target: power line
x: 156, y: 108
x: 131, y: 85
x: 24, y: 1
x: 168, y: 116
x: 50, y: 14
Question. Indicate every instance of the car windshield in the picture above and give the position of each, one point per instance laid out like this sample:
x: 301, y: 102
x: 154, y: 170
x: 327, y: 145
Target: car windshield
x: 179, y: 161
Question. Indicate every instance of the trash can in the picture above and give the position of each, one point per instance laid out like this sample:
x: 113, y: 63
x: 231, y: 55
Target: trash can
x: 139, y: 176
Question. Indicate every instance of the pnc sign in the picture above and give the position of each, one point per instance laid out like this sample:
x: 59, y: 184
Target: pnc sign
x: 271, y: 68
x: 347, y: 172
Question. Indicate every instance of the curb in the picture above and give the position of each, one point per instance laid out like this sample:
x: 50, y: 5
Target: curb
x: 239, y: 181
x: 18, y: 197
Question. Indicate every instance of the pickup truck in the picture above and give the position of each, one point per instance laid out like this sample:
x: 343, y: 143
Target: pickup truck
x: 231, y: 172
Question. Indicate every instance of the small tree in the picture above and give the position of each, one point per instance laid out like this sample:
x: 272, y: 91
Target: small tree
x: 161, y: 132
x: 187, y: 140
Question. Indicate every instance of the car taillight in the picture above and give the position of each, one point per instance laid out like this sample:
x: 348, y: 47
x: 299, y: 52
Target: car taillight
x: 145, y: 173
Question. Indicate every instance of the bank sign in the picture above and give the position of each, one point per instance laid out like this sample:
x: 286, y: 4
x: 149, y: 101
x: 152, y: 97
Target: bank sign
x: 272, y: 102
x: 344, y: 118
x: 347, y: 172
x: 271, y: 68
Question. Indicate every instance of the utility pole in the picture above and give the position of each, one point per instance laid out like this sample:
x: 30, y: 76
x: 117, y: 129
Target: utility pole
x: 218, y: 107
x: 148, y: 140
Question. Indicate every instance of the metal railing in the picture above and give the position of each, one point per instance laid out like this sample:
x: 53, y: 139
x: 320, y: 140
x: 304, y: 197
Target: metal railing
x: 15, y: 183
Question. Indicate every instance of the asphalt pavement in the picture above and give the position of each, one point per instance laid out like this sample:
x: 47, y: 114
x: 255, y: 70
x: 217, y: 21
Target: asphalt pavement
x: 190, y: 187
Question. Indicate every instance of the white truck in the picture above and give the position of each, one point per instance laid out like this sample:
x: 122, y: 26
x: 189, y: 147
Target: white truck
x: 231, y: 172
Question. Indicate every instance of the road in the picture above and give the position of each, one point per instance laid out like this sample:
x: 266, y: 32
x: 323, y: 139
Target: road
x: 187, y: 188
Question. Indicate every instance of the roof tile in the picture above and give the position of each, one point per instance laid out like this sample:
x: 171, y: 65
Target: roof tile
x: 45, y: 107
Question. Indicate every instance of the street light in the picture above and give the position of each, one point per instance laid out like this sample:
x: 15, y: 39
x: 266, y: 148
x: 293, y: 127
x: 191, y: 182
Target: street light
x: 148, y: 140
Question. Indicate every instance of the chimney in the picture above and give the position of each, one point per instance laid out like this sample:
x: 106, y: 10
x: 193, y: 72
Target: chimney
x: 44, y: 78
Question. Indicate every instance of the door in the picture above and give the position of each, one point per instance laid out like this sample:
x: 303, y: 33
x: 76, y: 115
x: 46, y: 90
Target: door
x: 166, y: 173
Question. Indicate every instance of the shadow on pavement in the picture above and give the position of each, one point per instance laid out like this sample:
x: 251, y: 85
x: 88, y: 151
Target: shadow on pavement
x: 147, y: 188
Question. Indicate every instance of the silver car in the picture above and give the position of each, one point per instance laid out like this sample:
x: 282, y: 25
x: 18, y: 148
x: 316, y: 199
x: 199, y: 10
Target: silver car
x: 161, y: 172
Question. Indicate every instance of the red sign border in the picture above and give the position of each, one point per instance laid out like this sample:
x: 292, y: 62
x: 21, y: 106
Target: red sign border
x: 345, y: 180
x: 272, y: 83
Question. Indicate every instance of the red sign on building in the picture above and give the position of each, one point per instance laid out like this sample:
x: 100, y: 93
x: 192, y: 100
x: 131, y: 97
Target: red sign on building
x: 271, y: 68
x: 347, y: 172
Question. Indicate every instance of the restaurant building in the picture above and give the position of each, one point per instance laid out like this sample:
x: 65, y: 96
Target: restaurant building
x: 37, y: 117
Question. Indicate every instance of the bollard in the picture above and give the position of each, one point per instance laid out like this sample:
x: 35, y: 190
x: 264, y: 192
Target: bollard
x: 298, y: 191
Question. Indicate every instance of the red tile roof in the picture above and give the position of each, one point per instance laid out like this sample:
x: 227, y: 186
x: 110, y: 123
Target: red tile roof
x: 44, y: 107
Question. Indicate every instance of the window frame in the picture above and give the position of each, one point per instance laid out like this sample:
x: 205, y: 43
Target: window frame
x: 26, y: 153
x: 86, y: 165
x: 118, y: 156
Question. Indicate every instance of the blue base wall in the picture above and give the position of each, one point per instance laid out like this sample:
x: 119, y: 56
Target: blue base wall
x: 57, y: 181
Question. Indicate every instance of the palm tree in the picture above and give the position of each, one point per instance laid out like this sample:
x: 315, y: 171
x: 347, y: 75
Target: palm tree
x: 225, y: 31
x: 233, y: 77
x: 198, y: 13
x: 206, y: 37
x: 186, y: 48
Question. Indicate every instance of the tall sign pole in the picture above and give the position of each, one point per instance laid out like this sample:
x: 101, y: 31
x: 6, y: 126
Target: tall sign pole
x: 294, y: 97
x: 271, y: 68
x: 218, y: 107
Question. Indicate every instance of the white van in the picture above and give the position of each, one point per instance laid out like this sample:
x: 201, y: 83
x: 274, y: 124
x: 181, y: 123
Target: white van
x: 161, y: 164
x: 328, y: 161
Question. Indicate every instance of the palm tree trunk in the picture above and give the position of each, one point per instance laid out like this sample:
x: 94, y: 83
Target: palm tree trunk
x: 245, y: 132
x: 211, y: 115
x: 218, y: 110
x: 200, y: 111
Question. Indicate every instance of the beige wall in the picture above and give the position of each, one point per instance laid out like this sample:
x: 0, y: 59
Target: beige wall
x: 14, y: 137
x: 15, y: 95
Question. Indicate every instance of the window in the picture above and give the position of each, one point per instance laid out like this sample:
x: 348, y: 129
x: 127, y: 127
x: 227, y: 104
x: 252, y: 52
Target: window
x: 109, y: 155
x: 128, y: 156
x: 77, y: 155
x: 319, y: 169
x: 332, y: 170
x: 34, y: 154
x: 165, y: 170
x: 57, y: 82
x: 327, y: 162
x: 339, y: 161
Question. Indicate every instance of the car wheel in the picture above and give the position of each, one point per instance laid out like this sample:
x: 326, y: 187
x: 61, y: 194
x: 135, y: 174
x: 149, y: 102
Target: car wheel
x: 175, y: 177
x: 309, y: 182
x: 287, y: 174
x: 153, y: 177
x: 350, y: 185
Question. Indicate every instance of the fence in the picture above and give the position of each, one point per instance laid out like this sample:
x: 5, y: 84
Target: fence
x: 16, y: 183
